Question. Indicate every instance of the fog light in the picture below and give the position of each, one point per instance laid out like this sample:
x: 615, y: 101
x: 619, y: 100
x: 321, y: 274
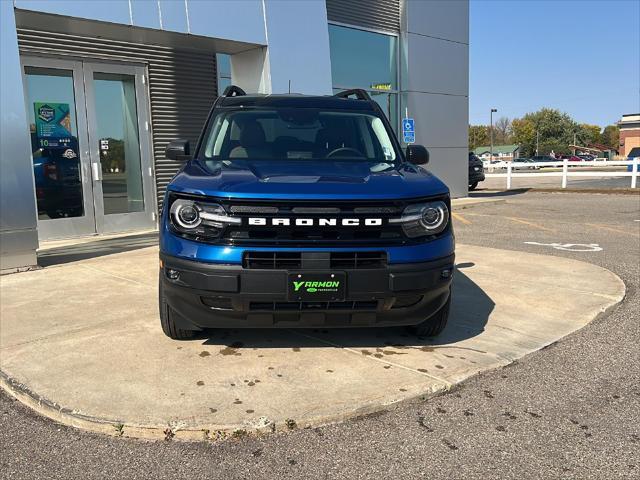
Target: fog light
x: 173, y: 274
x: 446, y: 273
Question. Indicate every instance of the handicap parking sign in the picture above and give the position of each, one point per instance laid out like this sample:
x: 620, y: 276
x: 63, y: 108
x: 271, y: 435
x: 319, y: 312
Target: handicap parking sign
x: 408, y: 130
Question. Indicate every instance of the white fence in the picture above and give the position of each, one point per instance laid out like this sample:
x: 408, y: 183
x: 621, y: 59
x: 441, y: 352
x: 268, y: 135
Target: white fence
x: 600, y: 170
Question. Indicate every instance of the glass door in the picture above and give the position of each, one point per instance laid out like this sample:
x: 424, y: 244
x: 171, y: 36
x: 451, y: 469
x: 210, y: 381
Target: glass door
x: 91, y: 147
x: 55, y: 100
x: 120, y: 147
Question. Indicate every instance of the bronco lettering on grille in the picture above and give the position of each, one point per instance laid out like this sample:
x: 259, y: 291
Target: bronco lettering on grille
x: 314, y: 222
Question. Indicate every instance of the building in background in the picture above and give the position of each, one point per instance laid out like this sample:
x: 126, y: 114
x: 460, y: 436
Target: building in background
x: 500, y: 152
x: 629, y: 133
x: 93, y: 91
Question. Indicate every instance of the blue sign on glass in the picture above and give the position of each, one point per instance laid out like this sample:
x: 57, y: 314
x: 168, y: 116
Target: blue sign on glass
x: 408, y: 130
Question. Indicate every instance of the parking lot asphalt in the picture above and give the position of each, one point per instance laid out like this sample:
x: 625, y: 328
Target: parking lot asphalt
x: 568, y: 411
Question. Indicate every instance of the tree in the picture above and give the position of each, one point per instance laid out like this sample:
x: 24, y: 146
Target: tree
x: 502, y: 131
x: 587, y: 134
x: 553, y: 128
x: 478, y: 136
x: 611, y: 137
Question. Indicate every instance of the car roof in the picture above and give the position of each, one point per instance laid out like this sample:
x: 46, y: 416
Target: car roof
x: 296, y: 101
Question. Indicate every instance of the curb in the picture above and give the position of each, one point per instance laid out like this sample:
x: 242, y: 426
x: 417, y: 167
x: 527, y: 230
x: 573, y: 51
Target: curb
x: 176, y: 430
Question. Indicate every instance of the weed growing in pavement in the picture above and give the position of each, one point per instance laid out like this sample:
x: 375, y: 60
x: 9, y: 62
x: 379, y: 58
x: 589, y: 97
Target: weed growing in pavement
x: 290, y: 423
x: 119, y: 429
x: 239, y: 433
x: 168, y: 433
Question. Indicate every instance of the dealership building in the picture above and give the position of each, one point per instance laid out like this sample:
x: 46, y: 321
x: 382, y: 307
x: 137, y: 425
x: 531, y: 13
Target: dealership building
x: 93, y: 91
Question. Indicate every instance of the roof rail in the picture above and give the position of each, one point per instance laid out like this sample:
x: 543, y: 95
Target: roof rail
x: 233, y: 91
x: 358, y: 92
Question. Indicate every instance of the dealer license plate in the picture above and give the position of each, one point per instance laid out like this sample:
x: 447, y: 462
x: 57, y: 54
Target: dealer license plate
x: 322, y: 286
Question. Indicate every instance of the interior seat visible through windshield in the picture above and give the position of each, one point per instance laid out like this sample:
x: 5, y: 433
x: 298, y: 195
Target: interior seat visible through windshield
x: 298, y: 134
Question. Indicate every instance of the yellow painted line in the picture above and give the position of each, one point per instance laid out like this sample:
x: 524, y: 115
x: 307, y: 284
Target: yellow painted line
x: 530, y: 224
x: 460, y: 218
x: 610, y: 229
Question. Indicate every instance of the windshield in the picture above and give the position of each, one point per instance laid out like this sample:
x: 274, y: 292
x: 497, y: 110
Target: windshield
x: 298, y: 134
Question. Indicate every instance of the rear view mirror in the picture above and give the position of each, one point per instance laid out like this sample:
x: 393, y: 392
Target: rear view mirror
x: 417, y: 154
x: 178, y: 150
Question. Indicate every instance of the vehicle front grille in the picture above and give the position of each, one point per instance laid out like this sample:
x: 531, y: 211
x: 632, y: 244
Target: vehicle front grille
x: 294, y: 260
x: 299, y: 306
x: 314, y: 235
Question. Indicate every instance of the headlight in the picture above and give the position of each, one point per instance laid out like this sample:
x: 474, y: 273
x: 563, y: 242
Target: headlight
x: 198, y: 218
x: 423, y: 219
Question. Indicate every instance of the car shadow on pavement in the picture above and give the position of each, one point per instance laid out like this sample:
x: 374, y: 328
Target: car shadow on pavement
x: 470, y: 312
x: 97, y: 248
x: 486, y: 193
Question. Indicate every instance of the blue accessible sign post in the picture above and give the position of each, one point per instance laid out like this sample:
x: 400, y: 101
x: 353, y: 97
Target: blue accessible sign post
x: 408, y: 130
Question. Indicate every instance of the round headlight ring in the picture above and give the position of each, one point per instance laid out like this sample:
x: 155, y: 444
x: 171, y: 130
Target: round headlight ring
x: 433, y: 216
x: 186, y: 214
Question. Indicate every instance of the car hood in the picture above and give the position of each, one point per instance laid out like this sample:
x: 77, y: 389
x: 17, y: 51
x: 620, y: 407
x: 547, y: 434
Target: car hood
x: 306, y: 179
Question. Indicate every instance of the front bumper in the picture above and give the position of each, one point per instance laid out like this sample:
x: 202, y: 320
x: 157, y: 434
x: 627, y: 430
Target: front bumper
x: 230, y: 296
x: 476, y: 176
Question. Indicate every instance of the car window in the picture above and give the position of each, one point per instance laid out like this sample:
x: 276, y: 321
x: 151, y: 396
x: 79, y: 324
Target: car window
x: 298, y: 134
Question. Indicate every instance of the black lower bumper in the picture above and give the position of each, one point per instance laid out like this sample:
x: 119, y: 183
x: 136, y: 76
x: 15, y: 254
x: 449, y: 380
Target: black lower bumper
x: 476, y: 176
x: 230, y: 296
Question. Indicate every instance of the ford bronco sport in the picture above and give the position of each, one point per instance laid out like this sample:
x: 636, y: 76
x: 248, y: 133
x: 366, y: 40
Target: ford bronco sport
x: 303, y: 211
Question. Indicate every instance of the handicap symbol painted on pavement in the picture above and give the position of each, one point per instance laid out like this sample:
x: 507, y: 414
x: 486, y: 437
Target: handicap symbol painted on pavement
x: 571, y: 247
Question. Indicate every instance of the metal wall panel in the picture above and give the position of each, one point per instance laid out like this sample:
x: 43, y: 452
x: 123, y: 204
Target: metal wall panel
x: 18, y: 234
x: 373, y: 14
x: 182, y: 84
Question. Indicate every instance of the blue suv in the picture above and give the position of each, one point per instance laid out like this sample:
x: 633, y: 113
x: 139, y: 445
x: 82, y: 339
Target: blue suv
x: 303, y: 211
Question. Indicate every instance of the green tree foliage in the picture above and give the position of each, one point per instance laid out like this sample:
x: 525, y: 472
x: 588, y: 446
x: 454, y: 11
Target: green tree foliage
x: 587, y: 134
x: 611, y: 137
x: 554, y: 128
x: 478, y: 136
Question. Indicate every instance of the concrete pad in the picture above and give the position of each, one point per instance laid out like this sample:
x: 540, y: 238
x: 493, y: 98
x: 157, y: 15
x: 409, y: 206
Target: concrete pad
x: 81, y: 343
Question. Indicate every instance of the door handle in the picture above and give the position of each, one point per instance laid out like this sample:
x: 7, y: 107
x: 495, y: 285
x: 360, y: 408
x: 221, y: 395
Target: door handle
x: 96, y: 171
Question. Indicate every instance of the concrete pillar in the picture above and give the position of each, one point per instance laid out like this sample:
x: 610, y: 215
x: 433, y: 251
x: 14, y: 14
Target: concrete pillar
x: 434, y: 79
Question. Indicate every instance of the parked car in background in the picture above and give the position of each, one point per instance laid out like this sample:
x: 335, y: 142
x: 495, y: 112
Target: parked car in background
x: 545, y: 159
x: 586, y: 157
x: 523, y: 164
x: 497, y: 164
x: 634, y: 153
x: 571, y: 158
x: 476, y: 172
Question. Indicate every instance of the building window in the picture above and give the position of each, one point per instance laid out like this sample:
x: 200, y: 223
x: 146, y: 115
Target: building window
x: 223, y: 62
x: 367, y: 60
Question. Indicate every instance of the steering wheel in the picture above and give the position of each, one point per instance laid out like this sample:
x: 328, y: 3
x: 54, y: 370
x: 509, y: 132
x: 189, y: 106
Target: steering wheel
x: 344, y: 150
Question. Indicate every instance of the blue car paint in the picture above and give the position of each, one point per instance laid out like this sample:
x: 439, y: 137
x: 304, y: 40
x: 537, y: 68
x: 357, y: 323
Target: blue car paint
x: 304, y: 180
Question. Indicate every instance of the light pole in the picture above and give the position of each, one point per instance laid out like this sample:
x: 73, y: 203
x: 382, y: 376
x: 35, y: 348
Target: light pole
x: 491, y: 133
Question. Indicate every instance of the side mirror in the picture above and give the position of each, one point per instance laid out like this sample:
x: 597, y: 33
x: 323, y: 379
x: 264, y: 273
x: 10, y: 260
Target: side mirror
x: 417, y: 154
x: 178, y: 150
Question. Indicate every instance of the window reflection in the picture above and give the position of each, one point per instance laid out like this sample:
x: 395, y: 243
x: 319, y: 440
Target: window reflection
x: 367, y: 60
x: 118, y: 143
x: 54, y: 142
x: 362, y: 59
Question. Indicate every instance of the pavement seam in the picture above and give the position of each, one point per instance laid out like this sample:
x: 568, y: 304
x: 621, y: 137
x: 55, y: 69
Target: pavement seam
x: 117, y: 276
x: 386, y: 362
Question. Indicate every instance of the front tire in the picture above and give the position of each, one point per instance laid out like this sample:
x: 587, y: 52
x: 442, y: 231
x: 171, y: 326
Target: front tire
x: 473, y: 186
x: 435, y: 324
x: 168, y: 319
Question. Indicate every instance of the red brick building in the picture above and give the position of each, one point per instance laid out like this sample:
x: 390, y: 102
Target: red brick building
x: 629, y: 133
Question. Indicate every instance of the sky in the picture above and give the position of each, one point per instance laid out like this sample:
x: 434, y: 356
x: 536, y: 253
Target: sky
x: 579, y: 56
